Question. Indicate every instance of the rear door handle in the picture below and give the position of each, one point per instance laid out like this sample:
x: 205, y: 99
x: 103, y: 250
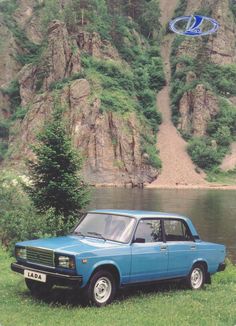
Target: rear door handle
x: 163, y: 248
x: 193, y: 247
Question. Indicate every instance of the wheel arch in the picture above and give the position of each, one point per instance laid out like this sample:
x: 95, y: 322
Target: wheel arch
x: 201, y: 262
x: 110, y: 267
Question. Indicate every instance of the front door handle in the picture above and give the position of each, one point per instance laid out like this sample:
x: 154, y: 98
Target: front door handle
x: 193, y: 247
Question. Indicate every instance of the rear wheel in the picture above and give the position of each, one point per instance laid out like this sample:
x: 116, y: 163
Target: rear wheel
x: 38, y: 288
x: 101, y: 289
x: 196, y: 278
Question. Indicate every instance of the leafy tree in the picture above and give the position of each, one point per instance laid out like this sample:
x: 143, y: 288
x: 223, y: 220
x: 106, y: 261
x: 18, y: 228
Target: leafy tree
x: 55, y: 180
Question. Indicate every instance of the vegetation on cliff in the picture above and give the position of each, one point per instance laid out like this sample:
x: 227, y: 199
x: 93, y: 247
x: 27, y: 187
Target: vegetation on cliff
x: 126, y: 84
x: 197, y: 67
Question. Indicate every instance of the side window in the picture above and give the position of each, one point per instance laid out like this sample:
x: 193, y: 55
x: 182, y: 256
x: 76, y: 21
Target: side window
x: 176, y: 230
x: 148, y: 231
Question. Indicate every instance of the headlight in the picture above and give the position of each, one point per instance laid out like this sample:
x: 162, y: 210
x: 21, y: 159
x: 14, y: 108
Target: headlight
x: 65, y: 262
x: 20, y: 252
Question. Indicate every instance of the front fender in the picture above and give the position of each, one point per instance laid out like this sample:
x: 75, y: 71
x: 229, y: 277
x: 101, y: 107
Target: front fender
x: 87, y: 276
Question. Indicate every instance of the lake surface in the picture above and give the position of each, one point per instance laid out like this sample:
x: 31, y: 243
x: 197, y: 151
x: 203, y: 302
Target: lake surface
x: 213, y: 212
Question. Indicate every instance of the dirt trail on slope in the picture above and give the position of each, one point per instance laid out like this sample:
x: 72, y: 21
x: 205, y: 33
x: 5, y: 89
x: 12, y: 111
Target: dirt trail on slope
x: 177, y: 168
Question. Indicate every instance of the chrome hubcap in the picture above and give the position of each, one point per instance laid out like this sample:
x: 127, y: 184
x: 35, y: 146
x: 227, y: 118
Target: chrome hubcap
x: 102, y: 289
x: 196, y: 278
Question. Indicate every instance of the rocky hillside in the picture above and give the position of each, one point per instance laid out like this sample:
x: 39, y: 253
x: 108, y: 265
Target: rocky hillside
x: 203, y: 84
x: 98, y: 61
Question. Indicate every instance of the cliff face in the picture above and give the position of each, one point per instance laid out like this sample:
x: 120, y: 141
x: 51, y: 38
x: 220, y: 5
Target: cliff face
x: 199, y: 105
x: 110, y: 142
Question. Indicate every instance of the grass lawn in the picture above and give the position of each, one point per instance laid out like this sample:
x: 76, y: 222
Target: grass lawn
x: 172, y: 305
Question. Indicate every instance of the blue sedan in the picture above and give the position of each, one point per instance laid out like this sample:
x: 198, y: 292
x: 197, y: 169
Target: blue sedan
x: 110, y: 249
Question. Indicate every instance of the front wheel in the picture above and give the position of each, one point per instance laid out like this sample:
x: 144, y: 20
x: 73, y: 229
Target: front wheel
x: 196, y: 278
x: 101, y: 289
x: 37, y: 288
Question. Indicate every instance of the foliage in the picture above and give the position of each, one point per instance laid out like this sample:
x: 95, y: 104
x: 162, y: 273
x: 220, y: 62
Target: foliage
x: 180, y: 10
x: 218, y: 176
x: 116, y: 101
x: 149, y: 20
x: 19, y: 220
x: 55, y: 180
x: 8, y: 7
x: 13, y: 92
x: 59, y: 84
x: 20, y: 113
x: 148, y: 144
x: 3, y: 149
x: 204, y: 154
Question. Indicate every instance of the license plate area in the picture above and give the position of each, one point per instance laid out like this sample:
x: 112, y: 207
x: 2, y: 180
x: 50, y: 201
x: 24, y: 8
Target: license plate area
x: 40, y: 277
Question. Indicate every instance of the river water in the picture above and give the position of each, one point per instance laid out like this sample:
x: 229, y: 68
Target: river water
x: 213, y: 212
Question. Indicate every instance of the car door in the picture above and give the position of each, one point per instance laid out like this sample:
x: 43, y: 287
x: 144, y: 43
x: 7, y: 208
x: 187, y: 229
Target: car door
x: 149, y: 253
x: 181, y: 247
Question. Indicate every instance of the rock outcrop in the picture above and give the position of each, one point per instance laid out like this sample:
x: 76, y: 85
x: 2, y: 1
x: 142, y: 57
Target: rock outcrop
x: 110, y: 145
x: 197, y: 107
x: 109, y: 142
x: 9, y: 67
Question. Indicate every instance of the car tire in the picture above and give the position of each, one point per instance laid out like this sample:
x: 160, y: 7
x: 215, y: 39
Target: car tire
x: 38, y: 289
x: 101, y: 289
x: 196, y: 277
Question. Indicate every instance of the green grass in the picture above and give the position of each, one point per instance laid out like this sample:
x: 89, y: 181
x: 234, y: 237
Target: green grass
x: 214, y: 305
x: 226, y: 178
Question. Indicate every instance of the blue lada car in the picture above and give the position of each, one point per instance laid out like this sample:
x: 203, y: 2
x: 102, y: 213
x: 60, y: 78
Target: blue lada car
x: 110, y: 249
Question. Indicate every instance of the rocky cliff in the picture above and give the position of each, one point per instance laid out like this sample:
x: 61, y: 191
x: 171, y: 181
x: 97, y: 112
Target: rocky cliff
x: 199, y: 105
x: 111, y: 142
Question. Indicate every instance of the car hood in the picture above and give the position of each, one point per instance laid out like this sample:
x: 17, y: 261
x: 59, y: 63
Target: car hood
x: 70, y: 244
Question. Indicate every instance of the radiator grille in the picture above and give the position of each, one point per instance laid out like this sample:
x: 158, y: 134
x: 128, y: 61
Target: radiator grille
x: 40, y: 256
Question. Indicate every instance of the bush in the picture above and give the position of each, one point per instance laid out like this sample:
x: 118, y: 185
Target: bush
x: 147, y: 98
x: 13, y: 92
x: 116, y: 101
x: 19, y: 219
x: 20, y: 113
x: 204, y: 154
x: 4, y: 129
x: 153, y: 157
x: 3, y: 149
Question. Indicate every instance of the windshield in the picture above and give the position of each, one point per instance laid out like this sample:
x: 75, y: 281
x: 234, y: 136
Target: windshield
x: 107, y: 227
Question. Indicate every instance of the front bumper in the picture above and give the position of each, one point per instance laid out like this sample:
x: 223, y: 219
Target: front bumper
x: 221, y: 267
x: 52, y: 277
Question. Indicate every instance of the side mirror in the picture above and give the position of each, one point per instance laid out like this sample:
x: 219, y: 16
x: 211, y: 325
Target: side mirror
x: 139, y: 240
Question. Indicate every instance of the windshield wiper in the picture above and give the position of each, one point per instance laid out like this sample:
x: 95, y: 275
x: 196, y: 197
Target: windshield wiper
x: 79, y: 233
x: 97, y: 234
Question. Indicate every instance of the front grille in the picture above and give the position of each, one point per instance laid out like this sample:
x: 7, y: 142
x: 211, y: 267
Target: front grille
x: 40, y: 256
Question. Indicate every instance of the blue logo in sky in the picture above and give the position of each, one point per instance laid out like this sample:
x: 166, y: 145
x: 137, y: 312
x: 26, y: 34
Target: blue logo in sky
x: 194, y: 25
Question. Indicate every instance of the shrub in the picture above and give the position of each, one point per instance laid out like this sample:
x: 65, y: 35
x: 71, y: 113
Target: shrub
x: 4, y: 129
x: 13, y: 92
x: 20, y: 113
x: 153, y: 157
x: 147, y: 98
x: 19, y: 220
x: 204, y: 154
x: 3, y: 149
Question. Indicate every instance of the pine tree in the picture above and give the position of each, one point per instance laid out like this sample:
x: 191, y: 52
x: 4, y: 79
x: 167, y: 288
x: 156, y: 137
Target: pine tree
x: 55, y: 180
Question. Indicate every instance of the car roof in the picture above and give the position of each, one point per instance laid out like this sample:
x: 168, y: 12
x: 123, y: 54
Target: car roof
x: 138, y: 213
